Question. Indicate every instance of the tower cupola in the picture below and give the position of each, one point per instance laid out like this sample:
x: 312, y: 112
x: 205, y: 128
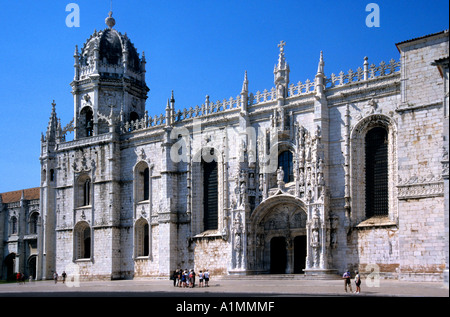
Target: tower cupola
x: 109, y: 81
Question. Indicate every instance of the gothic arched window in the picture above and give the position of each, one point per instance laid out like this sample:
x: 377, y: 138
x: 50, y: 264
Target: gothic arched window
x: 142, y: 242
x: 89, y: 123
x: 142, y: 184
x: 82, y: 241
x: 14, y: 225
x: 376, y: 147
x: 210, y: 195
x: 286, y: 163
x: 33, y: 223
x: 87, y: 193
x: 146, y: 183
x: 134, y: 116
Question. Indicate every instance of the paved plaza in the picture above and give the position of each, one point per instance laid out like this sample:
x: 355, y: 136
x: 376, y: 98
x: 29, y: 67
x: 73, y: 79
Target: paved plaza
x: 225, y: 295
x: 261, y: 286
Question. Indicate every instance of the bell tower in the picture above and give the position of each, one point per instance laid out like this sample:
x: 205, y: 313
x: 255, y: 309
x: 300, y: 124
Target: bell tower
x: 109, y: 80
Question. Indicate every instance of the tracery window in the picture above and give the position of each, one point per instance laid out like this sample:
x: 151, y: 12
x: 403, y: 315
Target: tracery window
x: 376, y: 147
x: 210, y: 195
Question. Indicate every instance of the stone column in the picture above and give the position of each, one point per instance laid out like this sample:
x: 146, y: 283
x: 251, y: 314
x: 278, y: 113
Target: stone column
x: 168, y: 234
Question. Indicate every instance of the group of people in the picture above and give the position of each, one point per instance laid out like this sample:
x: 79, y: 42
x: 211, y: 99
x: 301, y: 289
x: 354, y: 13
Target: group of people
x: 347, y: 281
x: 20, y: 278
x: 185, y: 278
x: 63, y: 275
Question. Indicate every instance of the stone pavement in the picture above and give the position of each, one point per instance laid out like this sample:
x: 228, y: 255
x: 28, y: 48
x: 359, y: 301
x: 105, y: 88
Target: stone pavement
x: 261, y: 286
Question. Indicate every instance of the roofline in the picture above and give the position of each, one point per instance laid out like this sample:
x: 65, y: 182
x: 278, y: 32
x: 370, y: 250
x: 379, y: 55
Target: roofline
x: 419, y: 38
x: 17, y: 194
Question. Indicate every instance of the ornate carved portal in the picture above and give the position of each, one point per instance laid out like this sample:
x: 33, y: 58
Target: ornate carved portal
x: 278, y: 237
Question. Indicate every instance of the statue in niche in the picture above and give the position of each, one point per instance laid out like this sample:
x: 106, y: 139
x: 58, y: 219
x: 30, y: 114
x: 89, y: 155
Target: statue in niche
x: 308, y: 150
x: 281, y: 91
x: 318, y: 133
x: 251, y: 180
x: 315, y: 237
x: 280, y: 176
x: 237, y: 229
x: 243, y: 191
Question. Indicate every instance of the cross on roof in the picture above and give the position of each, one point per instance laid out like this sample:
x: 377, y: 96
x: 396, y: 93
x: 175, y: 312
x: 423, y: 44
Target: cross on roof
x: 281, y: 45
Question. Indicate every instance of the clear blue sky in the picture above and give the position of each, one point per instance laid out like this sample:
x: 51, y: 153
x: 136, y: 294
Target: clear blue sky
x: 194, y: 47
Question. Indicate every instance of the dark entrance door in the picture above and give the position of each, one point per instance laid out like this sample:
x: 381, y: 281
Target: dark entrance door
x: 9, y: 263
x: 299, y: 254
x: 32, y: 267
x: 278, y: 255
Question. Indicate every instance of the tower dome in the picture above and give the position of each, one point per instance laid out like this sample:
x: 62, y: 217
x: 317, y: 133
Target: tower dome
x: 109, y: 82
x: 114, y: 48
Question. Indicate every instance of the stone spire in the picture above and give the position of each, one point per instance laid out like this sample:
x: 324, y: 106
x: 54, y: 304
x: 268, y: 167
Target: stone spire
x: 245, y: 84
x: 320, y: 76
x: 76, y: 64
x: 52, y: 124
x: 168, y: 114
x: 321, y: 64
x: 172, y: 107
x: 281, y: 58
x: 244, y: 95
x: 281, y: 73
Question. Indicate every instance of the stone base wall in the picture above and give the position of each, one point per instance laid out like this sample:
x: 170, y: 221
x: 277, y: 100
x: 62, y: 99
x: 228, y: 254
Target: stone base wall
x: 422, y: 242
x: 212, y: 254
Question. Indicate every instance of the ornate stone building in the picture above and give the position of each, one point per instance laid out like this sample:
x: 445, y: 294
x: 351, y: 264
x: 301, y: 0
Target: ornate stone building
x: 348, y: 170
x: 19, y: 227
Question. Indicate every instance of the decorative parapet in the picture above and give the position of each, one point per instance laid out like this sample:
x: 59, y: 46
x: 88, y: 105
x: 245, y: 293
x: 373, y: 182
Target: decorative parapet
x: 366, y: 73
x: 363, y: 74
x: 107, y: 137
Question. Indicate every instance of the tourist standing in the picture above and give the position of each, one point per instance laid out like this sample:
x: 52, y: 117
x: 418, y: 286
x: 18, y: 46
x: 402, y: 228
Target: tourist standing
x: 183, y: 279
x: 357, y: 282
x: 347, y: 276
x: 19, y: 278
x: 55, y: 277
x: 193, y: 278
x: 174, y: 277
x: 206, y: 278
x: 200, y: 279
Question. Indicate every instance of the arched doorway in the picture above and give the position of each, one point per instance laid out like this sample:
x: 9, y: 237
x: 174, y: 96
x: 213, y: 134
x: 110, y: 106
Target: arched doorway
x: 278, y: 230
x: 32, y: 266
x: 9, y: 264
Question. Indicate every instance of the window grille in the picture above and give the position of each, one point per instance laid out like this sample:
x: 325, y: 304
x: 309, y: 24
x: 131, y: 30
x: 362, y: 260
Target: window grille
x: 376, y: 172
x: 210, y: 195
x: 146, y: 184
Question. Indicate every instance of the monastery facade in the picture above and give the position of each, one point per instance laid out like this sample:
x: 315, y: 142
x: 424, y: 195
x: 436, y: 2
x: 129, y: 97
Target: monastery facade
x: 345, y: 171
